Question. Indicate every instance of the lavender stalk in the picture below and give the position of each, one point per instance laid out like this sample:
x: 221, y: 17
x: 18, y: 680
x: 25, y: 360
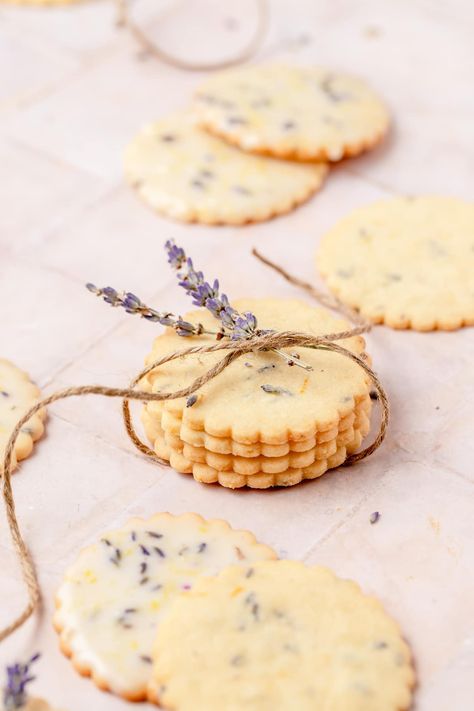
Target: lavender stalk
x: 235, y: 325
x: 133, y: 305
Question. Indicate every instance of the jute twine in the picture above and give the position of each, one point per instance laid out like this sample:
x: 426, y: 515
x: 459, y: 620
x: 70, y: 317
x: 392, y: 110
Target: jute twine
x: 235, y: 349
x: 151, y: 48
x: 324, y: 298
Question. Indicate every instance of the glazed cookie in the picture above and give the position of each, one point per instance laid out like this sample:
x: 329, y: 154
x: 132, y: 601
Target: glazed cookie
x: 184, y: 173
x: 114, y: 596
x: 259, y: 398
x: 290, y: 637
x: 17, y: 395
x: 405, y: 262
x: 303, y: 113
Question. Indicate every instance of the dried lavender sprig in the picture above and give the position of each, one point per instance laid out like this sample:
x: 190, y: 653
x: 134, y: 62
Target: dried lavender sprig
x: 18, y: 677
x: 236, y: 325
x: 133, y: 305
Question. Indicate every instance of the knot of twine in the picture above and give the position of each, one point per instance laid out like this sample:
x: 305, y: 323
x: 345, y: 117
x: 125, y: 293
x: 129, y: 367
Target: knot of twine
x: 235, y: 349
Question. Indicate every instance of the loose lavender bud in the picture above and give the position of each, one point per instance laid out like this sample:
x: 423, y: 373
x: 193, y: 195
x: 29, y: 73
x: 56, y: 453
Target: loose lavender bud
x: 18, y: 677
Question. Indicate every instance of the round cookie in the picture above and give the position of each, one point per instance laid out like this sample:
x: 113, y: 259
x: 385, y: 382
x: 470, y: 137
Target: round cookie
x: 298, y: 112
x: 350, y: 437
x: 114, y: 597
x: 405, y: 262
x: 268, y: 472
x: 253, y: 465
x: 184, y: 173
x: 289, y: 637
x: 17, y: 395
x: 157, y: 420
x: 173, y: 426
x: 259, y: 398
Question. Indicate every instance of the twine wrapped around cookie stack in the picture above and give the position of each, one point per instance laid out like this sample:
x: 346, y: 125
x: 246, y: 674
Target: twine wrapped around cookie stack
x: 234, y: 350
x: 262, y: 423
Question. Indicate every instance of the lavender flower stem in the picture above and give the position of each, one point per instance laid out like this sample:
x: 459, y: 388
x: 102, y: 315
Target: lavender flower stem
x: 133, y: 305
x: 234, y: 324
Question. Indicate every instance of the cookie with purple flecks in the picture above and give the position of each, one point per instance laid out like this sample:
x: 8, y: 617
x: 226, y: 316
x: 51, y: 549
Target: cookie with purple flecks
x: 259, y: 399
x: 17, y: 395
x: 188, y: 175
x: 113, y: 598
x: 301, y: 113
x: 280, y: 635
x: 407, y: 262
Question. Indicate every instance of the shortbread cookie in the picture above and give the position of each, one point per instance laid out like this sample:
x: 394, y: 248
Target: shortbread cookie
x: 114, y: 596
x: 176, y: 433
x: 173, y: 425
x: 184, y: 173
x: 254, y: 465
x: 266, y: 473
x: 17, y: 395
x: 259, y: 398
x: 303, y: 113
x: 405, y: 262
x: 276, y: 636
x: 260, y: 463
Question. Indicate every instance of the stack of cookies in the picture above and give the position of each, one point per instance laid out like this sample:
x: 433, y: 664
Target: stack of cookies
x: 256, y: 143
x: 261, y: 422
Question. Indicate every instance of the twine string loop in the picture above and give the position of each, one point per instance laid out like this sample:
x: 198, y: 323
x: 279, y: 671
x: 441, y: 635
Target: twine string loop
x: 151, y: 48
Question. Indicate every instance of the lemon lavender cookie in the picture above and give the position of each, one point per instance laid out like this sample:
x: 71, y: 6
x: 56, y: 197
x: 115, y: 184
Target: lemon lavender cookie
x: 114, y: 597
x: 280, y: 635
x: 258, y: 398
x: 268, y: 424
x: 17, y: 395
x: 185, y: 173
x: 303, y: 113
x: 260, y: 471
x: 405, y: 262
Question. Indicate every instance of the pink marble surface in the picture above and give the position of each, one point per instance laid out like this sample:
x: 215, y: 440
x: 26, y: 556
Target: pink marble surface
x: 72, y: 93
